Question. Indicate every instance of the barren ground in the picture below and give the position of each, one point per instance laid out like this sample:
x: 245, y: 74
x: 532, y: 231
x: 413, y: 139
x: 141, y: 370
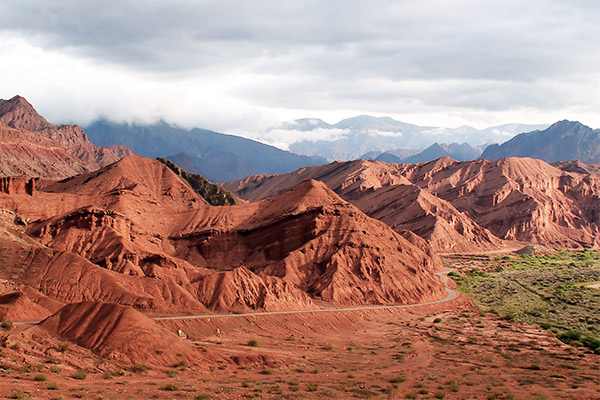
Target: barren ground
x: 389, y: 353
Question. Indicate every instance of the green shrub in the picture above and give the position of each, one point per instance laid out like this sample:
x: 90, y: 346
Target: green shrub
x: 312, y: 387
x: 6, y: 325
x: 454, y: 386
x: 172, y: 373
x: 440, y: 394
x: 171, y: 387
x: 437, y: 320
x: 252, y: 343
x: 80, y: 375
x: 139, y: 368
x: 180, y: 364
x: 40, y: 378
x: 52, y: 386
x: 398, y: 379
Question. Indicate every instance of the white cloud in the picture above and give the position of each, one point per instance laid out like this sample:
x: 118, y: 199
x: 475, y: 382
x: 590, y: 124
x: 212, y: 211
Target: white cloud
x: 243, y: 66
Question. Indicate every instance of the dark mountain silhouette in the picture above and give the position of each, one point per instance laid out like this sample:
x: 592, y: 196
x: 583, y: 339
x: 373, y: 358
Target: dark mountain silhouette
x: 562, y: 141
x: 216, y: 156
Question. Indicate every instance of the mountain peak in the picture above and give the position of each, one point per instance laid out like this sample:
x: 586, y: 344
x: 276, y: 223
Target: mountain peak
x: 566, y: 124
x: 19, y: 113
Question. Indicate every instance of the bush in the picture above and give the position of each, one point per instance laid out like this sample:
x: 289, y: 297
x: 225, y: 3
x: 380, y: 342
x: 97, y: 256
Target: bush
x: 252, y: 343
x: 80, y: 375
x: 203, y: 396
x: 52, y: 386
x: 40, y: 378
x: 139, y: 368
x: 172, y: 373
x: 453, y: 385
x: 180, y: 364
x: 170, y: 388
x: 312, y: 387
x: 6, y: 325
x: 440, y: 394
x: 412, y: 395
x: 437, y: 320
x: 398, y: 379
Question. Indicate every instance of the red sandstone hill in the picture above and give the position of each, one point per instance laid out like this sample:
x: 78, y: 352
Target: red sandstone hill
x: 30, y: 145
x: 457, y: 206
x: 118, y: 332
x: 135, y: 233
x: 381, y: 191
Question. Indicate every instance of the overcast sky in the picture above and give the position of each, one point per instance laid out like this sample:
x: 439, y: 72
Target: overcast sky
x: 236, y: 66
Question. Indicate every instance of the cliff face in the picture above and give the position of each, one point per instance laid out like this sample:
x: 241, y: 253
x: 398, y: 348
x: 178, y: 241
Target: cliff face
x: 17, y: 185
x: 32, y: 146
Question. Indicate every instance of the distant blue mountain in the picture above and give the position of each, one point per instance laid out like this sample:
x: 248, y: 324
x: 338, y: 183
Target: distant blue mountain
x: 216, y: 156
x: 562, y: 141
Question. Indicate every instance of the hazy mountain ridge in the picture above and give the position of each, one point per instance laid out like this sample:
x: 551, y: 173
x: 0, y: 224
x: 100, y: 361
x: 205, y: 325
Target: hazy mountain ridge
x: 456, y: 151
x: 353, y: 137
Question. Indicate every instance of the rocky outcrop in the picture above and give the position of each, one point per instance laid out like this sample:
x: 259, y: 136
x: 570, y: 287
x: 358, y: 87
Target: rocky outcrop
x: 17, y: 185
x: 32, y: 146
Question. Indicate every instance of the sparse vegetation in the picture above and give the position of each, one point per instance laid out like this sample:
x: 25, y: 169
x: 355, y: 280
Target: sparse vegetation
x: 214, y: 195
x: 80, y: 374
x: 551, y: 291
x: 172, y: 373
x: 6, y: 325
x: 139, y: 368
x: 171, y: 387
x: 312, y: 387
x: 52, y: 386
x: 40, y: 378
x: 252, y: 343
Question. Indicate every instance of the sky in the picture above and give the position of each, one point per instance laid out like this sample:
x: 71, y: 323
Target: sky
x: 242, y: 66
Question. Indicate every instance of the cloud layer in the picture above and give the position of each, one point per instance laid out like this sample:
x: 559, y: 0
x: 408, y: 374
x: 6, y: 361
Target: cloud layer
x: 238, y: 65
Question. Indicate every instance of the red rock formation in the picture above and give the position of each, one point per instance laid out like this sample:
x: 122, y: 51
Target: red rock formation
x: 139, y: 235
x: 519, y: 198
x: 462, y: 206
x: 32, y: 146
x: 17, y: 185
x: 381, y: 191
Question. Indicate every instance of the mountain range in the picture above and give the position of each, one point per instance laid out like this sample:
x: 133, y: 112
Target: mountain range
x: 562, y: 141
x: 462, y: 206
x: 216, y: 156
x: 459, y: 152
x: 351, y: 138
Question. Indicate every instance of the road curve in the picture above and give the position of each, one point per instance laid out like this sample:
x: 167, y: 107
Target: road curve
x: 451, y: 294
